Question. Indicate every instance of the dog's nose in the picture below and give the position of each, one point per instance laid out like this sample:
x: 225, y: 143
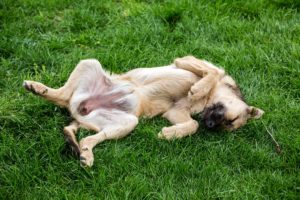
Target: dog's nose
x: 210, y: 124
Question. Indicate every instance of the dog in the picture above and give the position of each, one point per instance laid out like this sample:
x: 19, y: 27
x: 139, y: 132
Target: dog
x: 110, y: 105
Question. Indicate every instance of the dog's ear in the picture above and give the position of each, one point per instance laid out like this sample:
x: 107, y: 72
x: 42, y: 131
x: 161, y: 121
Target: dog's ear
x: 255, y: 113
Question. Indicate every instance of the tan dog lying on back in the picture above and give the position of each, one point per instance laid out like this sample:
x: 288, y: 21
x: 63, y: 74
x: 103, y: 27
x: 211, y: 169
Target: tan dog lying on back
x: 111, y: 105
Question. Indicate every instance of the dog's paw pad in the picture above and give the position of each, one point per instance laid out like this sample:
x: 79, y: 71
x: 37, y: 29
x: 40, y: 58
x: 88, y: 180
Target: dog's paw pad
x: 86, y: 159
x: 84, y: 149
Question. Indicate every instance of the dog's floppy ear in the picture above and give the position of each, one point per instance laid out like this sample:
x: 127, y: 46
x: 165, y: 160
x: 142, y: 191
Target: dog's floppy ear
x: 255, y: 113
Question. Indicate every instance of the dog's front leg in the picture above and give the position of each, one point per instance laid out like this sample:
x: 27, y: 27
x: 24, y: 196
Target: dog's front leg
x: 210, y: 75
x: 179, y: 130
x: 183, y: 126
x: 203, y: 87
x: 111, y: 131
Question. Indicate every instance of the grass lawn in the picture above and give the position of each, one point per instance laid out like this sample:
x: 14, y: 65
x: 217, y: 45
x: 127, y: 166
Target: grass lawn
x: 256, y: 41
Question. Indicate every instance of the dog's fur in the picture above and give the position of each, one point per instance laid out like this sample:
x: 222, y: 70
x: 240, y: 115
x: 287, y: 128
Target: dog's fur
x: 112, y: 104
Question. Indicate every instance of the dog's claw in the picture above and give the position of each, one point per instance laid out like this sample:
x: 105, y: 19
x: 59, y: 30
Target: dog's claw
x: 26, y: 86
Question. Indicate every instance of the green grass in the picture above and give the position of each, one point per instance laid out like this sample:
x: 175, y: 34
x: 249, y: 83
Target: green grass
x: 256, y: 41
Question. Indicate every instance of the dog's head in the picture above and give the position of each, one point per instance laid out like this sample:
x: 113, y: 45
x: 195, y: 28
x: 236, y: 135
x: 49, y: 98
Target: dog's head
x: 229, y: 116
x: 227, y: 108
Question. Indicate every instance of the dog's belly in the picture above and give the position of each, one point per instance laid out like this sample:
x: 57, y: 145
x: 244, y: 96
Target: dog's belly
x: 100, y: 110
x: 94, y: 95
x: 111, y: 101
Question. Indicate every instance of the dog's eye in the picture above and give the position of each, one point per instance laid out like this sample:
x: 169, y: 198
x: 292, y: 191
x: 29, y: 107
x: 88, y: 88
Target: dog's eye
x: 230, y: 122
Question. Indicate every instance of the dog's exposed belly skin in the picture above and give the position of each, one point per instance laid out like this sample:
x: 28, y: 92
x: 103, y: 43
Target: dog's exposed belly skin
x: 103, y: 101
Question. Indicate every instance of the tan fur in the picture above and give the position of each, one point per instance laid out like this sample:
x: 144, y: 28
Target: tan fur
x: 175, y: 91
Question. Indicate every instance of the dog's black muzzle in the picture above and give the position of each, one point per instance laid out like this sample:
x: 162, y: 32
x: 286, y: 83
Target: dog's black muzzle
x: 213, y: 116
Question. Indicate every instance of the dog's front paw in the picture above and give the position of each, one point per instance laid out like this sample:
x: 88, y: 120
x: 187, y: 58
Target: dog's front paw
x: 192, y: 97
x: 195, y: 97
x: 169, y: 133
x: 35, y: 87
x: 192, y: 94
x: 198, y: 92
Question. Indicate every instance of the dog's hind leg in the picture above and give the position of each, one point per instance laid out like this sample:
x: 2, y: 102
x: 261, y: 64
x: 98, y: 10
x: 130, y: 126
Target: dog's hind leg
x: 115, y: 130
x: 183, y: 126
x: 85, y: 72
x: 54, y: 95
x: 69, y: 133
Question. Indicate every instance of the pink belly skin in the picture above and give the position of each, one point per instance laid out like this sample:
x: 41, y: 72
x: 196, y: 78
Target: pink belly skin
x: 103, y: 101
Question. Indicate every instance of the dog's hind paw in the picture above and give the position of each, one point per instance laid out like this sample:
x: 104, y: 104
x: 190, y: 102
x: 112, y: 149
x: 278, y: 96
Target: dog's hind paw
x: 86, y: 158
x: 35, y: 87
